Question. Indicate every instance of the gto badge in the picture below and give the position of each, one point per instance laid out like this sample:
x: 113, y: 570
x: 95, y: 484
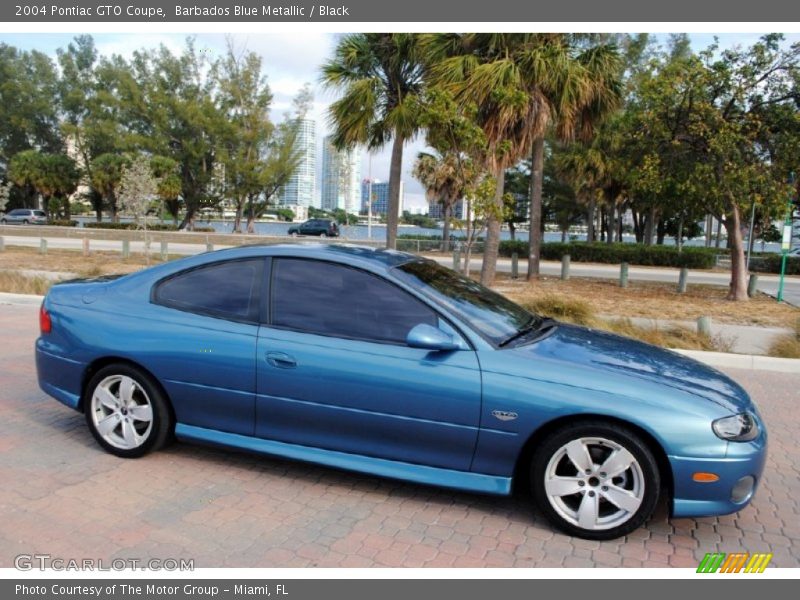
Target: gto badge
x: 504, y: 415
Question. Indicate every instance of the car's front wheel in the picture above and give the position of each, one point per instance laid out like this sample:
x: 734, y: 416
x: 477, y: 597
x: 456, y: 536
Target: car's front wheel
x: 323, y: 235
x: 3, y: 221
x: 595, y: 480
x: 126, y: 411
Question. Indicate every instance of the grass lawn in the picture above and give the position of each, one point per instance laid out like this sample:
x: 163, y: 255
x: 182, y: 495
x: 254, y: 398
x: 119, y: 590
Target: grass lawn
x: 654, y: 300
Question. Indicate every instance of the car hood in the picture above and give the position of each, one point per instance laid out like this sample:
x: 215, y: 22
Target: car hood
x: 607, y: 352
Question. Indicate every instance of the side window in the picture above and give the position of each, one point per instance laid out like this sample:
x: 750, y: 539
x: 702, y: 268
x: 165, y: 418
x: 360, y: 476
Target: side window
x: 228, y: 290
x: 334, y: 300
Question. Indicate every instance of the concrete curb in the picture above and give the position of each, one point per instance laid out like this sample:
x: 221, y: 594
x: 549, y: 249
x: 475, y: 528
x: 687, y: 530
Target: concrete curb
x: 20, y: 299
x: 744, y: 361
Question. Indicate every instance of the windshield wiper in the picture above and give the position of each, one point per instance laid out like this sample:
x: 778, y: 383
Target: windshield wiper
x: 534, y: 324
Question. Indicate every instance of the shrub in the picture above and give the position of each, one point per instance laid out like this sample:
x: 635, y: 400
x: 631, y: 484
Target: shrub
x: 772, y: 264
x: 634, y: 254
x: 62, y: 223
x: 787, y: 345
x: 563, y: 309
x: 150, y: 227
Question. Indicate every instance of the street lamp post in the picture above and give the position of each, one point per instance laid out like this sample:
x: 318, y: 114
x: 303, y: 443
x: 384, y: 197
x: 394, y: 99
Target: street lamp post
x: 786, y: 242
x: 369, y: 199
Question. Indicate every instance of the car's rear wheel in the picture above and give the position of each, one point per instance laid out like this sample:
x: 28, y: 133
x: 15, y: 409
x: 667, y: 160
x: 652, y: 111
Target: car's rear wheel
x: 25, y: 222
x: 323, y: 235
x: 293, y: 234
x: 126, y: 411
x: 595, y: 480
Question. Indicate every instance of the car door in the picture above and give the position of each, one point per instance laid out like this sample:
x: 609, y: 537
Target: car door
x: 334, y: 371
x: 201, y: 343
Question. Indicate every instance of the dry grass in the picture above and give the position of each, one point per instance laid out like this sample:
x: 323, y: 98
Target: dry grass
x: 787, y: 346
x: 668, y: 337
x: 73, y: 261
x: 562, y: 308
x: 581, y: 313
x: 16, y: 283
x: 653, y: 300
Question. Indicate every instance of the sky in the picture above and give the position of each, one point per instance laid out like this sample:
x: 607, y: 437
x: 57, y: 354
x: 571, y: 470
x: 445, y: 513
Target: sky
x: 289, y: 61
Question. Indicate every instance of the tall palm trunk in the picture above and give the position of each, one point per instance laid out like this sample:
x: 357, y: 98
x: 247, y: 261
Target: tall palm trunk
x: 448, y: 207
x: 733, y: 223
x: 535, y: 231
x: 492, y: 244
x: 395, y: 172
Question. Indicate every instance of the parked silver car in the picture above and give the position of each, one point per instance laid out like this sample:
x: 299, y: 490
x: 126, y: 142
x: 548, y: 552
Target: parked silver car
x: 24, y: 216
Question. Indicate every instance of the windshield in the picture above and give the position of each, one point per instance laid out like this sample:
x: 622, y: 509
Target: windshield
x: 495, y: 317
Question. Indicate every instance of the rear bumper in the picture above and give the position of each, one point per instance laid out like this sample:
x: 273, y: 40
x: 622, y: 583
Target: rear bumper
x: 59, y: 377
x: 694, y: 499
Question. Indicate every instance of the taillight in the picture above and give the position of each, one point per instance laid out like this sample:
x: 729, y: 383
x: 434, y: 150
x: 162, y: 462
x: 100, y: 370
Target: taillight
x: 45, y: 324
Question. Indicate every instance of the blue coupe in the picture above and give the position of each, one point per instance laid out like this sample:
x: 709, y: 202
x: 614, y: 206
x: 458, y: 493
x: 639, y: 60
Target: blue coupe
x: 388, y: 363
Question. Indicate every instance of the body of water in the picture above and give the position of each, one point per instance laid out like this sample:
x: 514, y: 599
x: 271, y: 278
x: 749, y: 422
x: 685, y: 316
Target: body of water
x: 360, y: 232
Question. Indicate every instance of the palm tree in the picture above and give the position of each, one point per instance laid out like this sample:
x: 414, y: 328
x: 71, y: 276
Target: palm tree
x: 380, y: 78
x: 481, y: 69
x: 443, y: 178
x: 582, y: 87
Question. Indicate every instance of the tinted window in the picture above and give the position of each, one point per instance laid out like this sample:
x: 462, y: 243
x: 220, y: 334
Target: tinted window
x: 328, y: 299
x: 226, y: 289
x: 39, y: 213
x: 494, y: 316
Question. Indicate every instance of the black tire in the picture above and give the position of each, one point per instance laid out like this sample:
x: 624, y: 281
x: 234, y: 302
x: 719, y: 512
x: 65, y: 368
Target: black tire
x: 154, y: 436
x: 641, y: 480
x: 26, y: 222
x: 3, y: 221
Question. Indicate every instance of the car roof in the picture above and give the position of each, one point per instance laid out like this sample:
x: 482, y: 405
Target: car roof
x: 348, y: 253
x: 366, y: 257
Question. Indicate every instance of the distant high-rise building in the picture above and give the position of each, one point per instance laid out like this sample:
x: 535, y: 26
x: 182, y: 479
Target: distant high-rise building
x: 341, y: 174
x: 300, y: 188
x: 380, y: 197
x: 458, y: 210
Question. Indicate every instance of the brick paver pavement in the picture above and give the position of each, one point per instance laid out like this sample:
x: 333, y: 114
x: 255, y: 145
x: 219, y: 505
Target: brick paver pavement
x: 62, y: 495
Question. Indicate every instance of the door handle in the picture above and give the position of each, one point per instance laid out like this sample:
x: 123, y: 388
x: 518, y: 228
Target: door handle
x: 281, y: 360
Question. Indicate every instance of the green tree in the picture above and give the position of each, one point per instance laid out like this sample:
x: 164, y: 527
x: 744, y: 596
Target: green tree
x: 30, y: 110
x: 443, y: 179
x: 105, y: 176
x: 95, y: 120
x: 165, y: 170
x: 52, y: 176
x: 245, y: 98
x: 281, y: 160
x: 175, y: 112
x: 705, y: 118
x: 379, y: 76
x: 523, y: 85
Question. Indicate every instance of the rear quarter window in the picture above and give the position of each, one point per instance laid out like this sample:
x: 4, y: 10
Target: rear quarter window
x: 226, y: 290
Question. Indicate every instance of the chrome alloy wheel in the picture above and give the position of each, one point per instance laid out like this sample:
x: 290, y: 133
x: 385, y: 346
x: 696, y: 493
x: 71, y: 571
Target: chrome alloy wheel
x: 122, y: 412
x: 594, y: 483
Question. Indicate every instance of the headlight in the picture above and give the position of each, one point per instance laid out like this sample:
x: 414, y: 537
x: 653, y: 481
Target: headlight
x: 738, y: 428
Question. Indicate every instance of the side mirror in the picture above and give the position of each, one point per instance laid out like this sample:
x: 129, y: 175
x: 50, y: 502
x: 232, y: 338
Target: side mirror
x: 428, y: 337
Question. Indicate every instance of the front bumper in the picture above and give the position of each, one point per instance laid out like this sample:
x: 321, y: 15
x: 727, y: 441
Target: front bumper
x: 696, y: 499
